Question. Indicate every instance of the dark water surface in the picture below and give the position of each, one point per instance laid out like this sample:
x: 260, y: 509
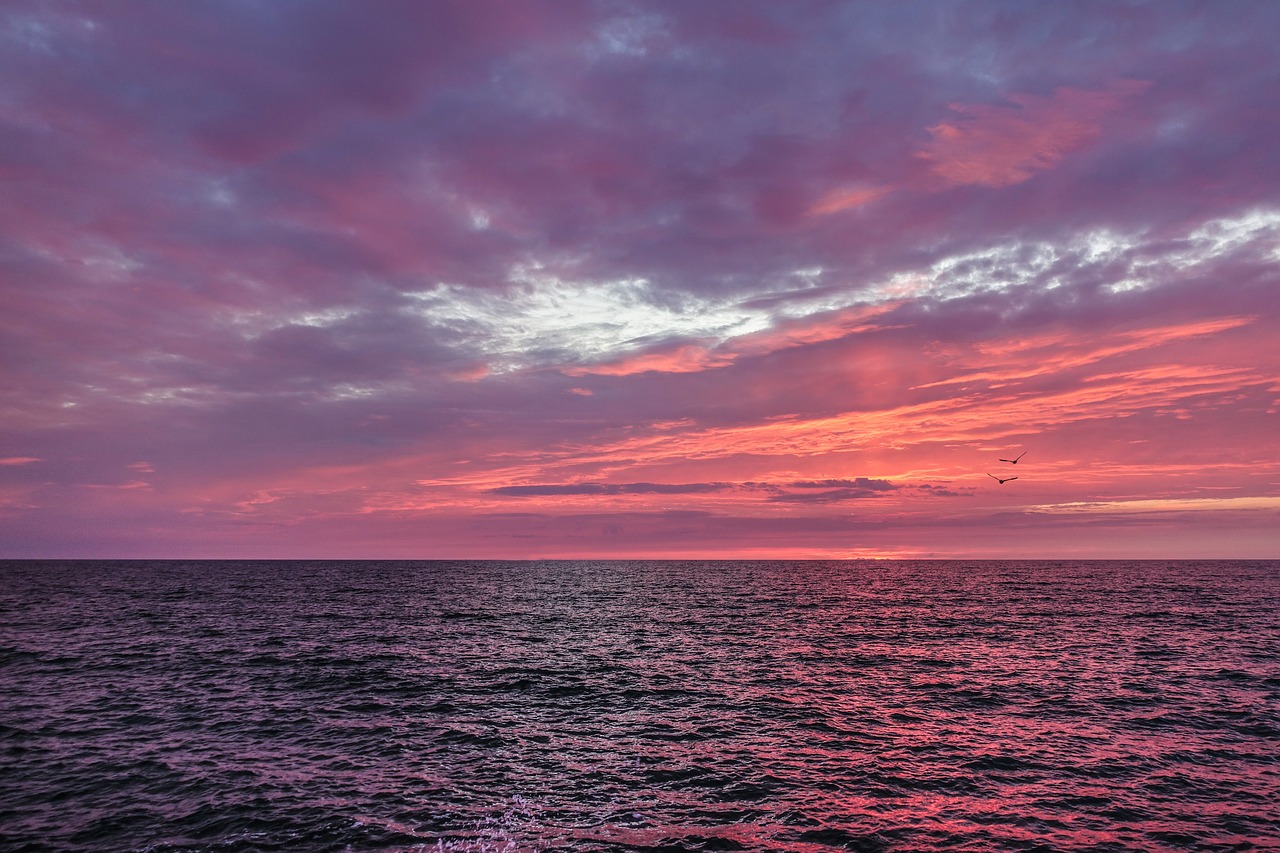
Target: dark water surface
x: 788, y: 706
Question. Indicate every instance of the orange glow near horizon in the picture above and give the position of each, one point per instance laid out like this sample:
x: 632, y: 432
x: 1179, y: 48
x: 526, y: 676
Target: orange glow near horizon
x: 897, y: 462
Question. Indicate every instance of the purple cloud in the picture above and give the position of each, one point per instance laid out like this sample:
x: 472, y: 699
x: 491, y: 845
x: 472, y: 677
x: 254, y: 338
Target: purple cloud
x: 302, y: 259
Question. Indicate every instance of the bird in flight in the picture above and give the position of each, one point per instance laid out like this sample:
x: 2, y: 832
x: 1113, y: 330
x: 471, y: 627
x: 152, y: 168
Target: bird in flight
x: 1001, y: 481
x: 1015, y: 459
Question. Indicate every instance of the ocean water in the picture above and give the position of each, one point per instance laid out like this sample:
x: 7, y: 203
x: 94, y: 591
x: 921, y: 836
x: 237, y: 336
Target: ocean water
x: 633, y: 706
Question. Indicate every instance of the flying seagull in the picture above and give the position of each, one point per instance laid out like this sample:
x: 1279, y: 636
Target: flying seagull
x: 1015, y: 459
x: 1000, y: 481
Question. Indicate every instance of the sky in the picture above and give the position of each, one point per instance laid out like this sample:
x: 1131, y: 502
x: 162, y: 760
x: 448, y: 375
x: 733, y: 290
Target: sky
x: 725, y: 279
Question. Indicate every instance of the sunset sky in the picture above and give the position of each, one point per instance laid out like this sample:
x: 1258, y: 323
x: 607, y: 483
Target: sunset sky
x: 639, y: 279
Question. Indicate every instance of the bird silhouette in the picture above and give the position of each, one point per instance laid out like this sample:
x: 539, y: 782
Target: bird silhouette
x: 1000, y: 481
x: 1015, y: 459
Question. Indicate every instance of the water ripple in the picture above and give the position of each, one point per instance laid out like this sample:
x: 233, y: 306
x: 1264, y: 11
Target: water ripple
x: 639, y: 706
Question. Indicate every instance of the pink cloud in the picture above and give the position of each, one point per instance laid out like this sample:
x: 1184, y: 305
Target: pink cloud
x: 847, y: 199
x: 997, y: 146
x: 688, y: 358
x: 1020, y: 359
x: 694, y: 358
x: 222, y: 223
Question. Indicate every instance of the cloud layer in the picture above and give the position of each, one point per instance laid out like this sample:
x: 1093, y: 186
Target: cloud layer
x: 512, y: 279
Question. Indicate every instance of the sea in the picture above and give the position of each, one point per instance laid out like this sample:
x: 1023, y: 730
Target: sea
x: 639, y: 706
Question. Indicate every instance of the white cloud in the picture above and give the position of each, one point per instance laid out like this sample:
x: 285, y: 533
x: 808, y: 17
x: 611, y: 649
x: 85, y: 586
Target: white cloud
x: 584, y: 319
x: 546, y: 314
